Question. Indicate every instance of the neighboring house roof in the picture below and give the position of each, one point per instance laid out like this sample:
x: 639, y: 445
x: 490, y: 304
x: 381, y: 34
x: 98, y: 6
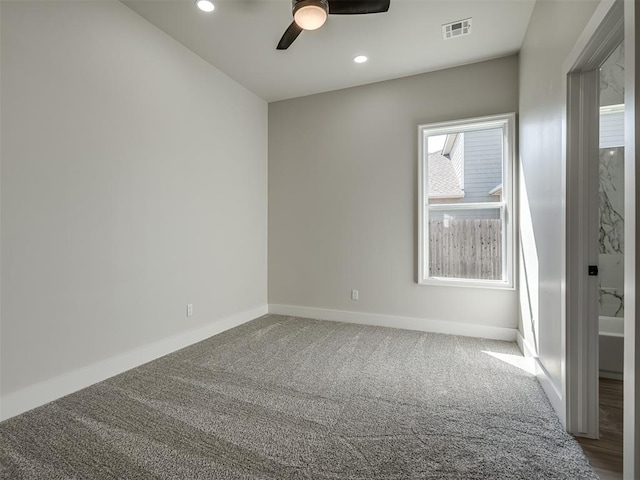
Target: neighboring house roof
x: 496, y: 192
x: 443, y: 182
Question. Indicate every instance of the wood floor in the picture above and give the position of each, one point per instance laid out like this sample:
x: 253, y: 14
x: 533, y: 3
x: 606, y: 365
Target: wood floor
x: 605, y: 454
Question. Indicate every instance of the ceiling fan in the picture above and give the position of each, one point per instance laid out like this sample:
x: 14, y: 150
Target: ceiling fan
x: 311, y: 14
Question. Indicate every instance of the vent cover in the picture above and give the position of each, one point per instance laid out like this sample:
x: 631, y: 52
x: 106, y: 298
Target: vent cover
x: 456, y: 29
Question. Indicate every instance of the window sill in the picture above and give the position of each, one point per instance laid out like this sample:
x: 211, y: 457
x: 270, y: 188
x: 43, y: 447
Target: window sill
x: 457, y: 282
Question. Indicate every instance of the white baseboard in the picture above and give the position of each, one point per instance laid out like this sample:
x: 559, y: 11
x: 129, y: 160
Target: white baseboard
x: 408, y: 323
x: 553, y: 394
x: 44, y: 392
x: 524, y: 346
x: 551, y: 391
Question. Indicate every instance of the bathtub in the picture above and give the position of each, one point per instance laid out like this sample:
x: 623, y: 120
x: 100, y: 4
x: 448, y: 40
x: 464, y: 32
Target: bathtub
x: 611, y: 347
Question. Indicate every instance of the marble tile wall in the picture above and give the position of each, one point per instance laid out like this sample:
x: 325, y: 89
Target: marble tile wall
x: 612, y: 78
x: 611, y: 260
x: 611, y: 232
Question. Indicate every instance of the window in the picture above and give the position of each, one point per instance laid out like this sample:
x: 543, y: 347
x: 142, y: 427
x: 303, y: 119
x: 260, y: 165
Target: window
x: 466, y: 224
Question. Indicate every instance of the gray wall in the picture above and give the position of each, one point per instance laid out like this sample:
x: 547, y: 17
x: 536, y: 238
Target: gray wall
x: 343, y: 194
x: 552, y: 33
x: 133, y: 183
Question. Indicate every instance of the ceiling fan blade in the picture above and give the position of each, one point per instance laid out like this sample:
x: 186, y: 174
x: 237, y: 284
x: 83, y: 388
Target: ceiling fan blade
x: 357, y: 7
x: 289, y: 36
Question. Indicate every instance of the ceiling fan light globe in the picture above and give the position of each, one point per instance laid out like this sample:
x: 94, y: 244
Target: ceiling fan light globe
x: 205, y: 5
x: 310, y: 15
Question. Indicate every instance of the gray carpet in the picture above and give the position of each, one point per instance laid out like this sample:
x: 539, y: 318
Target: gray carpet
x: 289, y: 398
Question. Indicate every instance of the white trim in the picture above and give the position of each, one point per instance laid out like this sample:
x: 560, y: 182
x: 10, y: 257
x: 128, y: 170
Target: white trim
x: 524, y: 346
x: 423, y: 179
x: 467, y: 206
x: 467, y: 283
x: 579, y: 320
x: 393, y: 321
x: 631, y: 420
x: 507, y: 122
x: 583, y: 224
x: 36, y: 395
x: 586, y: 54
x: 551, y: 390
x: 544, y: 378
x: 445, y: 196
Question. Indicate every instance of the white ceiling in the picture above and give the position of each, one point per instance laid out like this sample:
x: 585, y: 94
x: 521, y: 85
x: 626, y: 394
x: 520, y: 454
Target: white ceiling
x: 240, y: 39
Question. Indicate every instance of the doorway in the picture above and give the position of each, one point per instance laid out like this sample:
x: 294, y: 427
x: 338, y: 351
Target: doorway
x: 595, y: 238
x: 605, y: 451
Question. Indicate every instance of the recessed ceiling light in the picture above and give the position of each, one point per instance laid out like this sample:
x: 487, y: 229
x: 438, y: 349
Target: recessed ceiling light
x: 360, y: 59
x: 205, y: 5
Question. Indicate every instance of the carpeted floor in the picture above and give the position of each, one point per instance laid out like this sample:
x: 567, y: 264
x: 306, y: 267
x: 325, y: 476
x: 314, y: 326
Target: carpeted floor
x: 290, y: 398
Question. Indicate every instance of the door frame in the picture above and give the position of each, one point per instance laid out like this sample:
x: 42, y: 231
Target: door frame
x: 632, y: 233
x: 611, y: 23
x: 582, y: 250
x: 602, y: 35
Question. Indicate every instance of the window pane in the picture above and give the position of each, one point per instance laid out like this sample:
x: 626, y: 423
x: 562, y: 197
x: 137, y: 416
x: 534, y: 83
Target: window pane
x: 465, y: 167
x: 466, y: 189
x: 466, y: 244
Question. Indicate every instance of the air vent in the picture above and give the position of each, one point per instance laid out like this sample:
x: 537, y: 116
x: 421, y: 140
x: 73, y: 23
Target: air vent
x: 456, y: 29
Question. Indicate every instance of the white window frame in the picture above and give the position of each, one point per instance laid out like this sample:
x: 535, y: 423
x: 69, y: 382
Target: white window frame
x: 506, y: 206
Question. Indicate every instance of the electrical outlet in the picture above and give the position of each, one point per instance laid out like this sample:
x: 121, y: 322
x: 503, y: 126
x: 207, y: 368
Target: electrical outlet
x: 354, y: 294
x: 189, y: 309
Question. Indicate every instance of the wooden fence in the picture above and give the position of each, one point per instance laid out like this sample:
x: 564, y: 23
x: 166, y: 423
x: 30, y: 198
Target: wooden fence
x: 465, y: 248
